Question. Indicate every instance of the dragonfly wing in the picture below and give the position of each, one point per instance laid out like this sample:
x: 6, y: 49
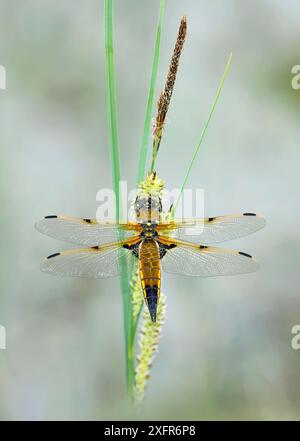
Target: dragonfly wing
x: 214, y: 229
x: 100, y: 261
x: 194, y: 260
x: 87, y: 232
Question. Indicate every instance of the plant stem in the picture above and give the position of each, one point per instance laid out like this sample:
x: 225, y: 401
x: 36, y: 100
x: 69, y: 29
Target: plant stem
x: 204, y: 130
x: 111, y: 98
x: 133, y: 323
x: 154, y: 154
x: 149, y: 108
x: 115, y: 159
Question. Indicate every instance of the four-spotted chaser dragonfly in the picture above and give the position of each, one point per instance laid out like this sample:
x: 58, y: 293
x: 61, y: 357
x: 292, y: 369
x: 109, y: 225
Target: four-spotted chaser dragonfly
x: 155, y: 244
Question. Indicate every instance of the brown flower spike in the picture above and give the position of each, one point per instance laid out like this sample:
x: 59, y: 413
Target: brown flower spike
x: 166, y: 94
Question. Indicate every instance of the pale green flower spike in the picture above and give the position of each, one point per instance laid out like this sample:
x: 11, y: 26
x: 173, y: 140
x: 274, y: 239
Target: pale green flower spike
x: 137, y: 295
x: 148, y: 346
x: 152, y: 185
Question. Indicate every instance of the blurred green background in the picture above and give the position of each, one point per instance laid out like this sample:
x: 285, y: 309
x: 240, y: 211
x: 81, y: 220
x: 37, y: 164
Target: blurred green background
x: 226, y: 347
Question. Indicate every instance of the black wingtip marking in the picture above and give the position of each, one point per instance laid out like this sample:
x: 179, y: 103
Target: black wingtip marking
x: 88, y: 221
x: 52, y: 216
x: 210, y: 219
x: 202, y: 247
x: 53, y: 255
x: 249, y: 214
x: 245, y: 254
x: 95, y: 247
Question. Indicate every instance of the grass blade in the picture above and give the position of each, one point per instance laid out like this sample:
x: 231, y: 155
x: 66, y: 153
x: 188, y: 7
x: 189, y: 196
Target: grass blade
x: 116, y: 171
x: 111, y: 99
x: 149, y: 108
x: 135, y: 283
x: 204, y: 130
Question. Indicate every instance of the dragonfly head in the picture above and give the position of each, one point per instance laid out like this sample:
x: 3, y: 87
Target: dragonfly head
x: 148, y: 208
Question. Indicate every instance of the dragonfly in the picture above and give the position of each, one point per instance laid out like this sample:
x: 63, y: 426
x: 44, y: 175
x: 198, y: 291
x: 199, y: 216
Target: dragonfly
x: 172, y: 246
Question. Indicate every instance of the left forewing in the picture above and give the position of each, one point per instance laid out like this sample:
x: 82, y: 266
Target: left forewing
x: 86, y: 232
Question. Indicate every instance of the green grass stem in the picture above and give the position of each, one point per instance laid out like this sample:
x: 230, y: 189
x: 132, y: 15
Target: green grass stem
x: 202, y: 136
x: 149, y: 108
x: 133, y: 322
x: 116, y: 173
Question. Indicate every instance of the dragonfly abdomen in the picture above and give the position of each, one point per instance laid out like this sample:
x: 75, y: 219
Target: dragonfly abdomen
x: 149, y: 270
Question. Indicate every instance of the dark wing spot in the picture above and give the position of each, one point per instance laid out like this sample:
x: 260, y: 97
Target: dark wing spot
x: 95, y: 248
x: 163, y: 248
x: 249, y: 214
x: 53, y: 255
x: 88, y: 221
x: 210, y: 219
x: 202, y: 247
x: 52, y: 216
x: 134, y: 248
x: 245, y: 254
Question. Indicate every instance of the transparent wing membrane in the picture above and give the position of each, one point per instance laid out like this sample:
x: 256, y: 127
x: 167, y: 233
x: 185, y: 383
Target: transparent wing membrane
x: 194, y: 260
x: 95, y: 262
x: 214, y: 229
x: 110, y: 244
x: 87, y: 232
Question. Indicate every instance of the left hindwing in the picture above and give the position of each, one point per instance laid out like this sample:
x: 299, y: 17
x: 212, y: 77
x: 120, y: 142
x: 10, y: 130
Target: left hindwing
x: 197, y: 260
x: 99, y: 261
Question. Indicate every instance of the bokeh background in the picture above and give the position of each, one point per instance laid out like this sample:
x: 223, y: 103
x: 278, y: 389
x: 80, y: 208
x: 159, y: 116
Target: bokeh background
x: 226, y: 348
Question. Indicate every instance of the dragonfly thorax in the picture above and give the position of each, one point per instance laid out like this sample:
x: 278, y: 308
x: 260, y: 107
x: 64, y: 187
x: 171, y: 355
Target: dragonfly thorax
x: 149, y: 231
x: 148, y: 209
